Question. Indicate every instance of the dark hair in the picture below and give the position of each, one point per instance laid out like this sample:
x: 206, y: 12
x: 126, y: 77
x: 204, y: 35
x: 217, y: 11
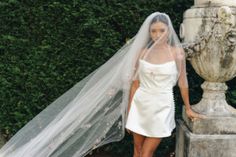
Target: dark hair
x: 158, y: 18
x: 162, y: 18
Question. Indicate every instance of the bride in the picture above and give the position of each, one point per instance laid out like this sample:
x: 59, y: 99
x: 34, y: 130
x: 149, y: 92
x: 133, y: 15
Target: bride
x: 132, y: 90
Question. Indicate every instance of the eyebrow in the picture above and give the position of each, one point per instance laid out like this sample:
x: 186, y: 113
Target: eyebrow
x: 158, y: 29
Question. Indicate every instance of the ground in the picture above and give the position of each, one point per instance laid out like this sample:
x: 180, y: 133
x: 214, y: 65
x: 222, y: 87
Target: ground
x: 105, y: 154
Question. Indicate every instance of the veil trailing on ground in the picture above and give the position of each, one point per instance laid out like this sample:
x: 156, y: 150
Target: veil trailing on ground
x: 94, y: 111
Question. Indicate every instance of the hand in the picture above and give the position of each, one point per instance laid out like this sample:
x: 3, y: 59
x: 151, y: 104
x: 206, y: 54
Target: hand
x: 194, y: 115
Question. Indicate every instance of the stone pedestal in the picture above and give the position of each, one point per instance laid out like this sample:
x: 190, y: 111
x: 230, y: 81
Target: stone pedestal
x: 209, y: 31
x: 189, y: 144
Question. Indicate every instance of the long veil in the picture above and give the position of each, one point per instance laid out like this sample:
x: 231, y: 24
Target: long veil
x: 90, y: 114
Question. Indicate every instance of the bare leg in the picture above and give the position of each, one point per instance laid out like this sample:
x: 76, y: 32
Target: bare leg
x: 138, y: 143
x: 149, y: 146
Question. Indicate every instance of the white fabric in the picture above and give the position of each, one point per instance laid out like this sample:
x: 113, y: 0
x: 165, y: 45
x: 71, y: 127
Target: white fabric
x: 152, y: 108
x: 93, y: 112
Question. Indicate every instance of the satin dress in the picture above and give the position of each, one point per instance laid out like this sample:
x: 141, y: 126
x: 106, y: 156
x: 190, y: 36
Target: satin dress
x: 152, y: 110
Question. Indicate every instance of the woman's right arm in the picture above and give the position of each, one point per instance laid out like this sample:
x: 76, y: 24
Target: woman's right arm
x: 135, y: 82
x: 134, y: 86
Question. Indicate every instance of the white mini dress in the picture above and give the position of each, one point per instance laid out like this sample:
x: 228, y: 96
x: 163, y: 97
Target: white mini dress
x: 152, y: 110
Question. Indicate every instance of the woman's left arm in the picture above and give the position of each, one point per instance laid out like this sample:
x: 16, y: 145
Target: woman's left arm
x: 189, y: 112
x: 185, y: 96
x: 183, y: 85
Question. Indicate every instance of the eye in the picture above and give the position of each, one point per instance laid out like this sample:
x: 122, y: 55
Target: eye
x: 162, y: 30
x: 153, y: 30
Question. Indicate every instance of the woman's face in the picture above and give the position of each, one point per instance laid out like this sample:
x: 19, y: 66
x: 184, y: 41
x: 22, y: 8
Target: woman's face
x: 159, y: 31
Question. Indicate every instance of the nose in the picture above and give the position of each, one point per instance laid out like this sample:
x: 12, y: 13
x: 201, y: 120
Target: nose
x: 158, y: 35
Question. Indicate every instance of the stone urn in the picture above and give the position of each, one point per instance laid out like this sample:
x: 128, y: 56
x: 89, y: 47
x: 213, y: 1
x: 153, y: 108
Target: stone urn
x: 211, y: 34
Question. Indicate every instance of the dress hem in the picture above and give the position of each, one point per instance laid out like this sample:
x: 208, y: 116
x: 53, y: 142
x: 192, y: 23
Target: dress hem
x: 144, y: 134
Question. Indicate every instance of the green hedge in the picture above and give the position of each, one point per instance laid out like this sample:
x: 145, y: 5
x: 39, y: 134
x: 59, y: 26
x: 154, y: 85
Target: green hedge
x: 48, y: 46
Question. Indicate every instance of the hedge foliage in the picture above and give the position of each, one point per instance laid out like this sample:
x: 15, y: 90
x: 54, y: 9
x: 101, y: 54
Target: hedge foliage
x: 48, y: 46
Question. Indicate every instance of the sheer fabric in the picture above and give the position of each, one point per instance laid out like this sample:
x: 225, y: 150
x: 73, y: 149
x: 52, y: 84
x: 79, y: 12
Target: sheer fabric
x: 93, y: 112
x: 164, y: 49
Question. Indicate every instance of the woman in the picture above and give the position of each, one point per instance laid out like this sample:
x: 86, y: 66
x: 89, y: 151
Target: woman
x: 93, y: 112
x: 151, y: 105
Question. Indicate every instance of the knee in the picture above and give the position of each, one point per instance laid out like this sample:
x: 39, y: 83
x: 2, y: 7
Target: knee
x: 147, y: 153
x: 137, y: 150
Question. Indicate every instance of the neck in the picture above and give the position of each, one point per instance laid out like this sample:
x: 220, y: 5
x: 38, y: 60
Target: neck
x: 161, y: 46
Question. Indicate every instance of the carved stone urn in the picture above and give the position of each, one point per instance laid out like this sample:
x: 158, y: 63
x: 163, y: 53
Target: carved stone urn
x: 209, y: 31
x: 213, y: 56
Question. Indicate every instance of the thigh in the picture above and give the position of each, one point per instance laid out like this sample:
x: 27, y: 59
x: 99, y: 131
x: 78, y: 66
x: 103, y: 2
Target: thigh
x: 150, y: 144
x: 138, y: 140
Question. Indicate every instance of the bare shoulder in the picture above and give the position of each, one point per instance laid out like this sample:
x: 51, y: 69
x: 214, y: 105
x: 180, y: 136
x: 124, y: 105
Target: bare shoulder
x: 178, y: 52
x: 141, y: 54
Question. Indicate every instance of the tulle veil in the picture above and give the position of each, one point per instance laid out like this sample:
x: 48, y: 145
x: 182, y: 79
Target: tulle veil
x: 93, y: 112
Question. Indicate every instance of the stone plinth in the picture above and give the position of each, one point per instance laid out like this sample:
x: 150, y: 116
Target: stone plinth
x: 189, y: 144
x: 211, y: 125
